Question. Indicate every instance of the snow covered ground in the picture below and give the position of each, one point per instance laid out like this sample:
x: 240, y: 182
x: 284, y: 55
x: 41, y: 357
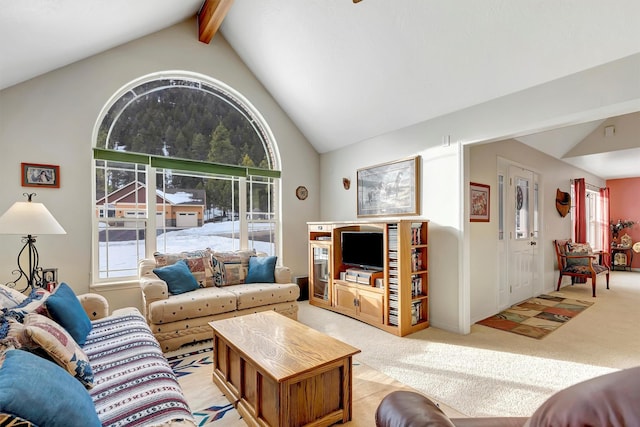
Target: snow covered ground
x: 123, y: 256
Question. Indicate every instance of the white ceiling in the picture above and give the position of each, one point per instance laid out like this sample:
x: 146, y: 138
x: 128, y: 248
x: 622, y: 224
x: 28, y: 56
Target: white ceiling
x: 347, y: 72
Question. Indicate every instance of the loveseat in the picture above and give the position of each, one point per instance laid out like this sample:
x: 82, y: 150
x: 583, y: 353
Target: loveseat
x: 610, y: 400
x: 64, y: 361
x: 220, y: 285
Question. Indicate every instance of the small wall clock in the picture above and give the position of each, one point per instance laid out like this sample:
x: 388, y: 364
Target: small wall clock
x: 302, y: 193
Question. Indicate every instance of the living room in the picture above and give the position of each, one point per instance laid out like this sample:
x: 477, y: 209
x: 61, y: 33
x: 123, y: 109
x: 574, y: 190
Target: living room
x: 51, y: 119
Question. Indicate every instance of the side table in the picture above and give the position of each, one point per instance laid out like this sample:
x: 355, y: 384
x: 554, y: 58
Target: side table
x: 621, y: 256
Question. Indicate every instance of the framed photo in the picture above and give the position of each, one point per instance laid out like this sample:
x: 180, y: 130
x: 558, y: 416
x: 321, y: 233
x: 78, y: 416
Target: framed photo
x: 36, y: 175
x: 49, y: 278
x: 479, y: 201
x: 390, y: 188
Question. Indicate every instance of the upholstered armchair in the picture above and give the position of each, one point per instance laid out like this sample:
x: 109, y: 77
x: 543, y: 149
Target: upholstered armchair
x: 578, y: 260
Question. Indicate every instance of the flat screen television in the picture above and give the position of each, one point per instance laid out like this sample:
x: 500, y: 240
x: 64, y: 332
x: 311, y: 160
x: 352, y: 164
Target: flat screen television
x: 363, y: 249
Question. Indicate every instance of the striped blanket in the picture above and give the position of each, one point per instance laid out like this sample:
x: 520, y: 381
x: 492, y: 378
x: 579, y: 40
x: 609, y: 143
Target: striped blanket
x: 133, y: 382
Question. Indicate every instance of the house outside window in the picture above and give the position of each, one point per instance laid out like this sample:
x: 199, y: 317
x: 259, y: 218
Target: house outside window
x: 181, y: 162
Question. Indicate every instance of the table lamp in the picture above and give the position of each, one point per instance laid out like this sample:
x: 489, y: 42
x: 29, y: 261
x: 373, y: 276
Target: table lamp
x: 29, y: 219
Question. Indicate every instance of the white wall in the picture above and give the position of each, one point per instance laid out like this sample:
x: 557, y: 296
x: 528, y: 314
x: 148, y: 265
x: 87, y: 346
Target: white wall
x: 609, y: 90
x: 484, y: 244
x: 50, y: 119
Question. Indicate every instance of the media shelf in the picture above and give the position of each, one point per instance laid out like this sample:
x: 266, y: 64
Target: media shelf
x: 395, y: 299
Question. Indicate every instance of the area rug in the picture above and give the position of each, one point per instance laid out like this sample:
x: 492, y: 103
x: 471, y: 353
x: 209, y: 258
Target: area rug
x: 193, y: 366
x: 537, y: 317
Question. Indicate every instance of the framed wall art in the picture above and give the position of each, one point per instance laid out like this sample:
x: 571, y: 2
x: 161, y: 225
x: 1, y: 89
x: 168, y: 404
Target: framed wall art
x: 37, y: 175
x: 479, y: 200
x: 389, y: 189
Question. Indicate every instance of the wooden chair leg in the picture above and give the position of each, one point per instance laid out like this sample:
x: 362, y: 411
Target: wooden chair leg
x: 607, y: 280
x: 593, y: 284
x: 559, y: 282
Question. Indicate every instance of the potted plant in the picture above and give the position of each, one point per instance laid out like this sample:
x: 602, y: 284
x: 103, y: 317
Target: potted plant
x: 617, y: 227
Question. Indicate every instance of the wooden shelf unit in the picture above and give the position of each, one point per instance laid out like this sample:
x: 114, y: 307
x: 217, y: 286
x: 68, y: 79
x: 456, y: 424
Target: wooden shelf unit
x: 401, y: 304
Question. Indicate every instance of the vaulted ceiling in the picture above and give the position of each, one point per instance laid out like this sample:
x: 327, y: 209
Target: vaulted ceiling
x: 344, y: 71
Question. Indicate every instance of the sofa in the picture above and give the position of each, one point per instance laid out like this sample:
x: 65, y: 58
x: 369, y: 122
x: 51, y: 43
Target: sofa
x: 610, y: 400
x: 65, y: 361
x: 178, y: 307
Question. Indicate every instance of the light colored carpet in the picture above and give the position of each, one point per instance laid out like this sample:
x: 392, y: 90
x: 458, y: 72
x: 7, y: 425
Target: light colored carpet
x: 492, y: 372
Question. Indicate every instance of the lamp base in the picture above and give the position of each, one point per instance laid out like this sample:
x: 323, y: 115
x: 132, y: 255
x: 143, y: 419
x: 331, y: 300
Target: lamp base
x: 33, y: 275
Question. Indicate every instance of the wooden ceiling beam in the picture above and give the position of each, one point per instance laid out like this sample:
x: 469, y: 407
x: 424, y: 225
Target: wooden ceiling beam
x: 210, y: 18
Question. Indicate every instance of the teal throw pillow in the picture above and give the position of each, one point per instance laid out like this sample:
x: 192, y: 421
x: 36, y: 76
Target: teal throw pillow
x: 261, y: 269
x: 38, y: 390
x: 63, y: 307
x: 577, y: 261
x: 178, y: 277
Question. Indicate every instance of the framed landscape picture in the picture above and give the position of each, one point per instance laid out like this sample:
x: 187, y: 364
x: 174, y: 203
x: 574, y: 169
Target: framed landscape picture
x: 479, y: 202
x: 37, y: 175
x: 389, y: 189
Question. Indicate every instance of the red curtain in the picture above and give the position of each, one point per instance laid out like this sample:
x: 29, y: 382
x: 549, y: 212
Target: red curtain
x: 580, y: 217
x: 580, y: 213
x: 604, y: 231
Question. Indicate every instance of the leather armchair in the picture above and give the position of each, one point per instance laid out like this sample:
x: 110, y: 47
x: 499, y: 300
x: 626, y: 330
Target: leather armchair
x: 609, y: 400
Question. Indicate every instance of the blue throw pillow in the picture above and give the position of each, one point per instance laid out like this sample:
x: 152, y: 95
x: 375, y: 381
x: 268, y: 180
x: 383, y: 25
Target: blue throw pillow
x: 66, y: 310
x: 261, y: 269
x: 178, y: 277
x: 43, y: 393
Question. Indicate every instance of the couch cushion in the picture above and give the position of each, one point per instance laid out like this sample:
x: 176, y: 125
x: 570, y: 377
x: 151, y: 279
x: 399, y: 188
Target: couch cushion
x: 199, y: 262
x: 236, y: 265
x: 261, y: 269
x: 258, y: 294
x: 41, y: 392
x: 608, y: 400
x: 198, y: 303
x: 65, y: 308
x: 41, y: 333
x: 178, y: 277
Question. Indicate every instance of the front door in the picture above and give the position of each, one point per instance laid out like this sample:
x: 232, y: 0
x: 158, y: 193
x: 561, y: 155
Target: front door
x: 522, y: 212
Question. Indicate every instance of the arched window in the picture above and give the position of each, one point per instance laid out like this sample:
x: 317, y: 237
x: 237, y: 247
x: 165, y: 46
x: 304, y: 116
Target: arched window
x: 182, y: 162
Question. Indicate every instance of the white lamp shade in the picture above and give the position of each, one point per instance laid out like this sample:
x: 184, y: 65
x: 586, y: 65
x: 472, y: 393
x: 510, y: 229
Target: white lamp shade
x: 29, y: 218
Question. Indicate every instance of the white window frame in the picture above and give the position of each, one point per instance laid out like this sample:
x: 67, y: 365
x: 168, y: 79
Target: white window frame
x: 269, y: 144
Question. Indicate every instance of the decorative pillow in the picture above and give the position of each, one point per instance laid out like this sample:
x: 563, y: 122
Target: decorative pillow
x: 608, y: 400
x: 199, y: 263
x: 261, y: 269
x: 63, y: 307
x: 40, y: 332
x: 236, y: 265
x: 580, y: 248
x: 577, y: 261
x: 34, y: 303
x: 6, y: 342
x: 219, y: 272
x: 9, y: 297
x: 178, y: 277
x: 41, y: 392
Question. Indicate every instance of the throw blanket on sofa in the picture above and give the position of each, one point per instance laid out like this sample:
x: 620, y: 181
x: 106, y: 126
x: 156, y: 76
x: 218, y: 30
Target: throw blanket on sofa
x: 133, y: 382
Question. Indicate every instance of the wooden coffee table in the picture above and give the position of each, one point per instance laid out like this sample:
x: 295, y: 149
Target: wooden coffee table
x: 279, y: 372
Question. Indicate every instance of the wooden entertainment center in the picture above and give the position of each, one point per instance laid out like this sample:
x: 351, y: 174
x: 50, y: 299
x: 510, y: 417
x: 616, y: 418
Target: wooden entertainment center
x: 395, y: 299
